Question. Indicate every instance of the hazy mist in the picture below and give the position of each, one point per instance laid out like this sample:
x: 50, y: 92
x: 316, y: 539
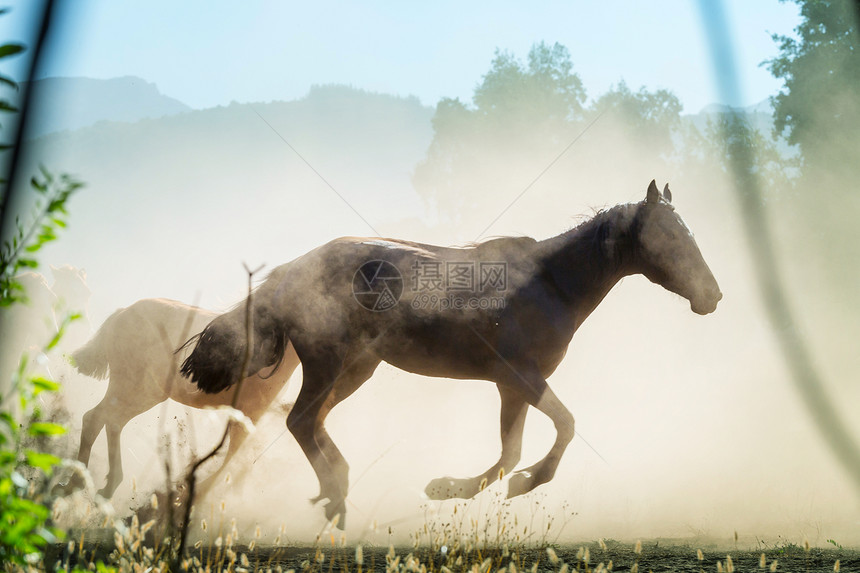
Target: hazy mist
x: 688, y: 426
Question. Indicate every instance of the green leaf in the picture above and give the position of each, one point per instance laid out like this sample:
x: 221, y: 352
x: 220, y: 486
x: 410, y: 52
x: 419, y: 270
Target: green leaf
x: 46, y: 429
x: 102, y: 568
x: 43, y: 384
x: 55, y: 340
x: 9, y: 82
x: 7, y: 50
x: 38, y: 185
x: 6, y: 106
x: 41, y: 460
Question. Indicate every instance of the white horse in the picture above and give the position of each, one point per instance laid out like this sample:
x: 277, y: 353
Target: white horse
x: 137, y: 345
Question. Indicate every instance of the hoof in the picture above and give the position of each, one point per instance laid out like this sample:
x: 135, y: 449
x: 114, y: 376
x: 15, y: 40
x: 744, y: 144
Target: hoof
x: 74, y: 483
x: 449, y: 488
x: 520, y: 483
x: 335, y: 512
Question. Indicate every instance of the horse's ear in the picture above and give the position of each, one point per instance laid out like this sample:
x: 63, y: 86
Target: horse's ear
x: 667, y: 195
x: 653, y: 194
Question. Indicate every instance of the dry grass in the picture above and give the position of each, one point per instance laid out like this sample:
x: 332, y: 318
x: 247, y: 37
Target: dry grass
x: 469, y: 538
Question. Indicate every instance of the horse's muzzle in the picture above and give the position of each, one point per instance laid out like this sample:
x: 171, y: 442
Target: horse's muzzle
x: 706, y: 304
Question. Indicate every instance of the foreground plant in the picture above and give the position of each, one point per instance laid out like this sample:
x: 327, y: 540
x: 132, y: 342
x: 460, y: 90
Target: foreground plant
x: 25, y: 469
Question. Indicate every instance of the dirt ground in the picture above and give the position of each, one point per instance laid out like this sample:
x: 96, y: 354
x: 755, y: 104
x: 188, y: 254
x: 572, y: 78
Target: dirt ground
x: 655, y: 555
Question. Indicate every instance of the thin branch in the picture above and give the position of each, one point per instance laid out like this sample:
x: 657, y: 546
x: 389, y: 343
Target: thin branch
x: 191, y: 478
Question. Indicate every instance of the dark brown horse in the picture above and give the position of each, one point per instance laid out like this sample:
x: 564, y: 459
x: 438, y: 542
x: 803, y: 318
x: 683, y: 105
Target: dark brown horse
x: 504, y: 310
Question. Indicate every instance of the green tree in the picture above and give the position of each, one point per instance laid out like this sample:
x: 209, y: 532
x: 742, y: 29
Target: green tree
x: 652, y: 120
x: 818, y: 108
x: 522, y: 124
x: 520, y: 113
x: 747, y: 155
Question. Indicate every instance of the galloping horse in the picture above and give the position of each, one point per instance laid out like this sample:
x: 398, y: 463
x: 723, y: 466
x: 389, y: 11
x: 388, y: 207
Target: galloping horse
x: 136, y: 345
x: 345, y: 307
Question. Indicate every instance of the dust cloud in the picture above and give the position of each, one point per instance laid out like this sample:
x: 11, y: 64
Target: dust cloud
x: 687, y: 426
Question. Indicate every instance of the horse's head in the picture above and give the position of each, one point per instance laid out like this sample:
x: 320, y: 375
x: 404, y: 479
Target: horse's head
x: 70, y: 286
x: 668, y: 254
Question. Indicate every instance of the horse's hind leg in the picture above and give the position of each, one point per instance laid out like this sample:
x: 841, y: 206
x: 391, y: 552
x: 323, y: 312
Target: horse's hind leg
x: 92, y: 424
x: 512, y: 419
x: 253, y: 405
x: 236, y: 437
x: 322, y: 388
x: 305, y: 423
x: 122, y: 406
x: 356, y: 371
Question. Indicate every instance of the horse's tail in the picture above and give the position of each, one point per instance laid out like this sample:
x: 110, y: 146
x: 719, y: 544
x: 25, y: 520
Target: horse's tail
x: 216, y: 362
x: 92, y: 358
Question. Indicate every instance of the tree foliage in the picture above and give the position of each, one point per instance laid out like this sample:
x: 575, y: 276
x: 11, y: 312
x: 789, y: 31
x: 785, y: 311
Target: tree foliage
x: 523, y: 119
x: 818, y: 108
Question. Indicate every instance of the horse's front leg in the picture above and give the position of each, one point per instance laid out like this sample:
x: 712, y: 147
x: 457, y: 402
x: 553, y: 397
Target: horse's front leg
x: 539, y: 395
x: 512, y: 419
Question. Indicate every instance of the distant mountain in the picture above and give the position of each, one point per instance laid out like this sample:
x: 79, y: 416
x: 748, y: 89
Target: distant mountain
x: 72, y: 103
x: 201, y: 191
x: 759, y: 115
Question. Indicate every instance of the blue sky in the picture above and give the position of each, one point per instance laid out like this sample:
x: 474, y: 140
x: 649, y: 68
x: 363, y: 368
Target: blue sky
x: 211, y: 53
